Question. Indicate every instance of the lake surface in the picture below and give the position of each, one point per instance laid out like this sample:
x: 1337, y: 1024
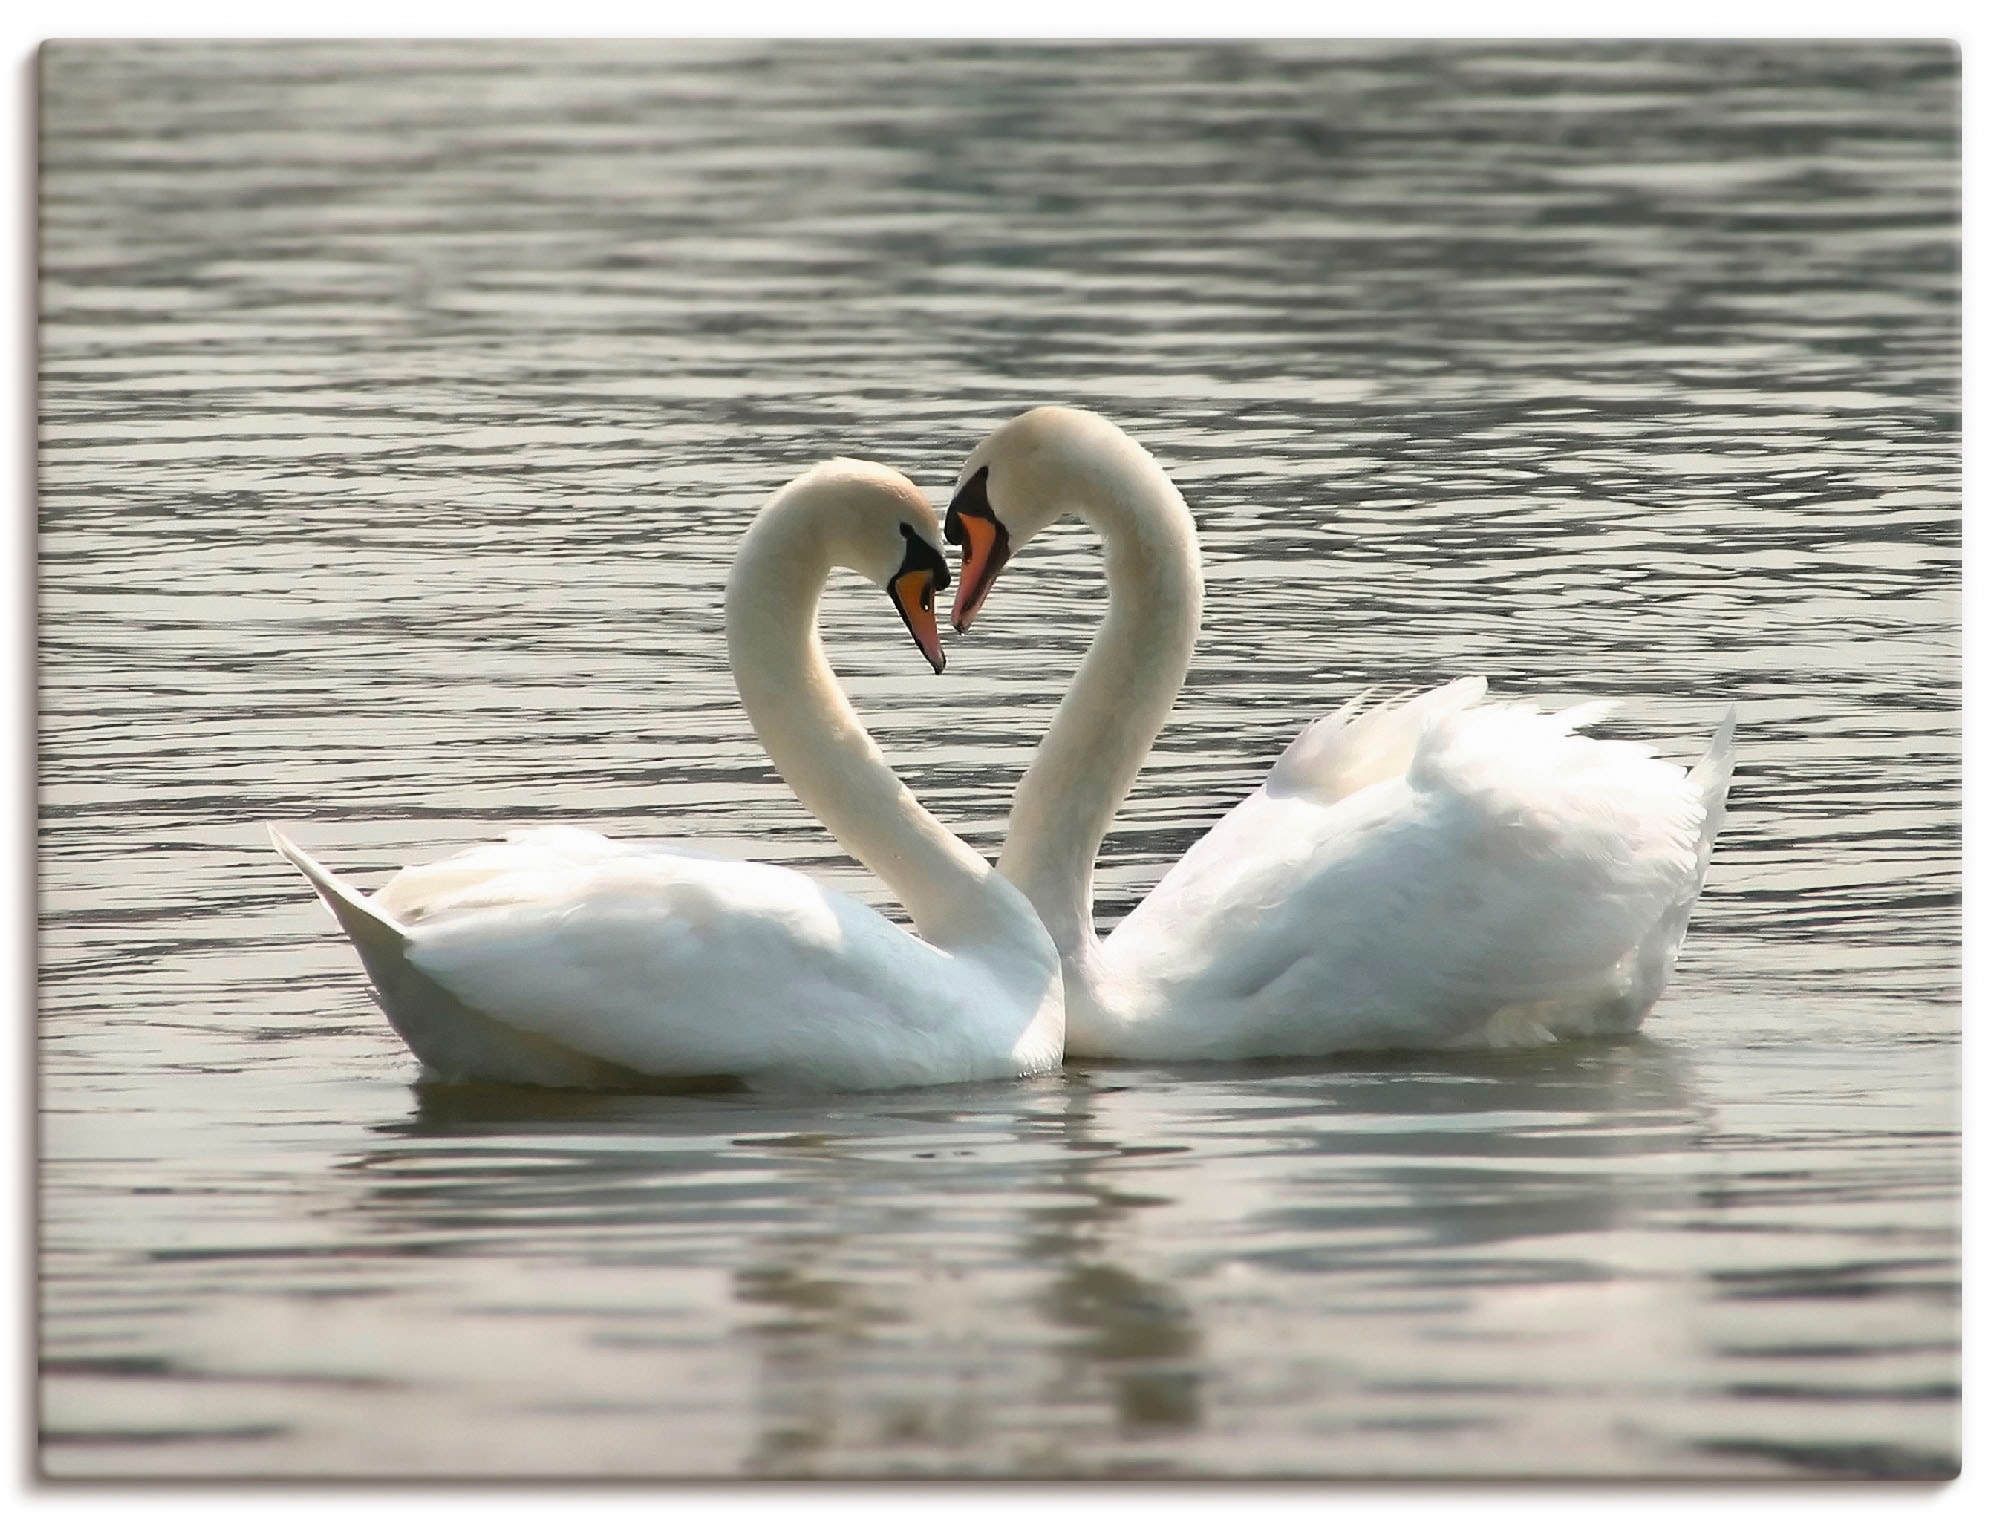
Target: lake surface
x: 401, y: 406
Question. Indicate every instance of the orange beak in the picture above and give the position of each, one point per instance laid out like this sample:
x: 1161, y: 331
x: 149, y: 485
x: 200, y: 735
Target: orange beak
x: 983, y: 554
x: 914, y: 592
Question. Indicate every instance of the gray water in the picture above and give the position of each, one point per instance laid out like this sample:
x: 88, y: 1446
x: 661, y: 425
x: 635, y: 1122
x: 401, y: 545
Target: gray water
x: 400, y: 408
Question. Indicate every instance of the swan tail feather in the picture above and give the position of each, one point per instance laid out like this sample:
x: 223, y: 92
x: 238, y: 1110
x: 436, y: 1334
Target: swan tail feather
x: 373, y: 931
x: 1643, y: 975
x: 1711, y: 776
x: 454, y: 1040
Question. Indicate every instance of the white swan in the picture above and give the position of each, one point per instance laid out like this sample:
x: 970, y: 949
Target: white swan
x: 1432, y: 872
x: 561, y: 958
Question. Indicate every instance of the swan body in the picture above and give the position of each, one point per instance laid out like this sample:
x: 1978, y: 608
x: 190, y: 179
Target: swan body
x: 1432, y: 872
x: 1494, y: 879
x: 559, y: 957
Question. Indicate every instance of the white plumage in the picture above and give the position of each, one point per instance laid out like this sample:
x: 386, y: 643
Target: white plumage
x: 559, y: 957
x: 1437, y: 871
x: 1459, y: 872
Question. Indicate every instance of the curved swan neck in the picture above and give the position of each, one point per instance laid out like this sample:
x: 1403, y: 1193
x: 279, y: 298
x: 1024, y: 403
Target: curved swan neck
x: 817, y: 743
x: 1121, y: 695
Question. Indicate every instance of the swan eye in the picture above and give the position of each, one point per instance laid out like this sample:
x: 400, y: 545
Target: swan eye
x: 983, y: 546
x: 971, y: 501
x: 918, y: 554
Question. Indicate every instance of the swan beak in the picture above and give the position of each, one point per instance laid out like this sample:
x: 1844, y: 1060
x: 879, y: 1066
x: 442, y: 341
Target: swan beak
x: 983, y: 554
x: 914, y: 592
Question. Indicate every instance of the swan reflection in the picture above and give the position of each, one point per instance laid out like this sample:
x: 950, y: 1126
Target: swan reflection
x: 1021, y: 1278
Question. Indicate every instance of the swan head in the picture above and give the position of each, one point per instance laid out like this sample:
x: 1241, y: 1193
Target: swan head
x: 873, y: 520
x: 1028, y: 473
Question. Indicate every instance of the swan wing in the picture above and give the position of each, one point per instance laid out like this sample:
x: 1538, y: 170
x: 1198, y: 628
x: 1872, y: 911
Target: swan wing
x: 1442, y: 871
x: 1356, y: 745
x: 494, y: 874
x: 670, y: 964
x: 562, y: 957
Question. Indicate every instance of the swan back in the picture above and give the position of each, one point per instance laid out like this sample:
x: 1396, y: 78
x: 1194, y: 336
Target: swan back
x: 1356, y: 745
x: 1512, y: 880
x: 658, y: 960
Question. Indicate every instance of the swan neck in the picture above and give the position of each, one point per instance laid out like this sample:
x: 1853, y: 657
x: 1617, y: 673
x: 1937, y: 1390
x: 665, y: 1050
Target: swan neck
x: 1122, y: 693
x: 819, y: 747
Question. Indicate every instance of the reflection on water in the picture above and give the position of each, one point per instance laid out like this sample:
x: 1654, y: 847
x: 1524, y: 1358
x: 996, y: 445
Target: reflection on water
x: 1064, y: 1276
x: 401, y: 406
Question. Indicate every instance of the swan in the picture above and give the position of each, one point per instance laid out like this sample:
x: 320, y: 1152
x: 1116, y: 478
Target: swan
x: 1437, y: 871
x: 562, y: 958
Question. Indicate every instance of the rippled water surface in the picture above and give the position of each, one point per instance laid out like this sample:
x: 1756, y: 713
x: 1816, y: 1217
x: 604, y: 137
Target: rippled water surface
x: 401, y: 405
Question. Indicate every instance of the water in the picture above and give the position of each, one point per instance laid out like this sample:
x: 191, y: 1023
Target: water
x: 401, y: 405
